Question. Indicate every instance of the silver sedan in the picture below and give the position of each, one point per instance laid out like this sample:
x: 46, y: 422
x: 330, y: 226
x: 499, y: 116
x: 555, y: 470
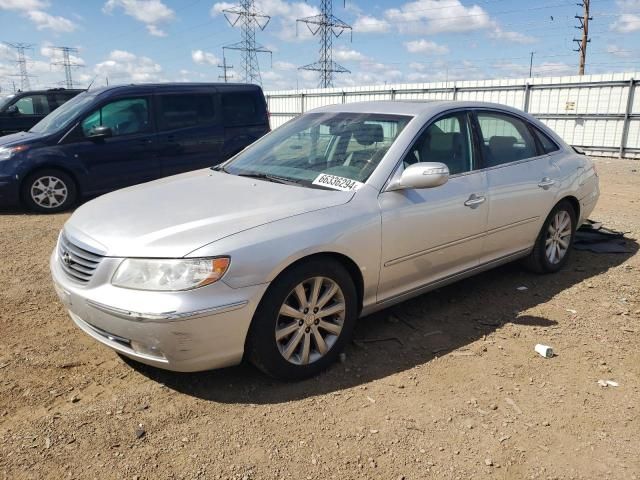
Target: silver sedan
x: 345, y: 210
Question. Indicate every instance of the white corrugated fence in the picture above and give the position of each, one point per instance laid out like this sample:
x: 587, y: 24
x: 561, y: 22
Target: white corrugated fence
x: 598, y: 113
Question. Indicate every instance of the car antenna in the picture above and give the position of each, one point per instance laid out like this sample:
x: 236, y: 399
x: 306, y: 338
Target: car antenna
x: 94, y: 79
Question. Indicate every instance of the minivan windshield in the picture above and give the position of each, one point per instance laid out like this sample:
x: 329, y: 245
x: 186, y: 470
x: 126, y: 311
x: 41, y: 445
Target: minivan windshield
x: 334, y: 150
x: 62, y: 116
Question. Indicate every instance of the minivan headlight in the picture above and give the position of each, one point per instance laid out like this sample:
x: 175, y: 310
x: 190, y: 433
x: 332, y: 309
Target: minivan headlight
x: 7, y: 152
x: 169, y: 274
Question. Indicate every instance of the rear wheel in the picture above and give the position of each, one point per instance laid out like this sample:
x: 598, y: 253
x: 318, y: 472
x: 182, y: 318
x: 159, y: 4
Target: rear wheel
x: 49, y: 191
x: 553, y: 245
x: 304, y: 321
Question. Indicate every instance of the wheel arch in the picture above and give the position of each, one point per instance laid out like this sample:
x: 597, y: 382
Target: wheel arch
x: 50, y: 166
x: 574, y: 202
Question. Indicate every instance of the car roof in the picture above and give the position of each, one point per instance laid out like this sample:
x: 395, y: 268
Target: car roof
x: 411, y: 107
x: 46, y: 90
x: 177, y: 86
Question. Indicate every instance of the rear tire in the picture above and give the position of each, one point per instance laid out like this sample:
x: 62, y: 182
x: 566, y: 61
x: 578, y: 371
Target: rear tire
x: 304, y: 321
x: 49, y: 191
x: 553, y: 246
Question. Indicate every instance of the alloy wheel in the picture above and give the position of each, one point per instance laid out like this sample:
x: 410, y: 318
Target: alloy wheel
x: 310, y: 320
x: 49, y: 192
x: 558, y: 237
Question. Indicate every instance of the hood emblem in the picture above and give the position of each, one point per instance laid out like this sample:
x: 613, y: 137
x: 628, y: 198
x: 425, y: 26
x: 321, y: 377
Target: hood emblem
x: 66, y: 258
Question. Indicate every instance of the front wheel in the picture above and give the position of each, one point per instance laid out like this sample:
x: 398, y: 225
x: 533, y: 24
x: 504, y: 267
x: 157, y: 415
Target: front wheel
x: 304, y: 321
x: 553, y: 245
x: 49, y: 191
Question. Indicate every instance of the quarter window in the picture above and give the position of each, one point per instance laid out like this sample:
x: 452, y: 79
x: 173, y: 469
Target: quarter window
x: 547, y: 144
x: 32, y: 105
x: 182, y: 111
x: 123, y: 117
x: 447, y: 141
x: 239, y: 108
x: 505, y: 139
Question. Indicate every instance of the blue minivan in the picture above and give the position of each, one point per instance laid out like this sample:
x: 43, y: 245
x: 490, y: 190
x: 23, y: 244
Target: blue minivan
x: 113, y: 137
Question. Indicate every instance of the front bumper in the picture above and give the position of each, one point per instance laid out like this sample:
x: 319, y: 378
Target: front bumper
x: 188, y: 331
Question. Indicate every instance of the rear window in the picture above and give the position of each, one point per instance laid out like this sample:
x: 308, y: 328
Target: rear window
x: 182, y: 111
x: 548, y: 145
x: 241, y: 108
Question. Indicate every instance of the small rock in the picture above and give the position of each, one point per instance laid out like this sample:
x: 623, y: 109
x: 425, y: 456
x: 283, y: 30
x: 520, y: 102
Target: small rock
x: 522, y: 288
x: 47, y: 443
x: 140, y: 432
x: 493, y: 406
x: 74, y: 399
x: 488, y: 462
x: 373, y: 431
x: 546, y: 424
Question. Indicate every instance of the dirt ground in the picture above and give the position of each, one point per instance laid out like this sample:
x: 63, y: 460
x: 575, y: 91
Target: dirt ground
x: 456, y: 391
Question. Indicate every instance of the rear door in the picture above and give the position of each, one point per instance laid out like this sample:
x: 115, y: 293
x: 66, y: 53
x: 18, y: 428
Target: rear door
x: 244, y: 116
x: 126, y: 158
x: 191, y: 135
x: 522, y: 182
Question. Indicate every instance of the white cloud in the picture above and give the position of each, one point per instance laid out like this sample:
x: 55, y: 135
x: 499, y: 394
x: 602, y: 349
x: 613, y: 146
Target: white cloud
x: 22, y: 5
x: 510, y: 36
x: 204, y: 58
x: 55, y: 55
x: 122, y: 67
x: 348, y: 55
x: 368, y: 24
x: 545, y: 69
x: 284, y: 66
x: 45, y: 21
x: 435, y: 16
x: 617, y: 51
x: 149, y: 12
x: 426, y: 46
x: 626, y: 23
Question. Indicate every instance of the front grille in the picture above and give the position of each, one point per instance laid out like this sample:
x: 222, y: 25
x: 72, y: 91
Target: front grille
x: 79, y: 264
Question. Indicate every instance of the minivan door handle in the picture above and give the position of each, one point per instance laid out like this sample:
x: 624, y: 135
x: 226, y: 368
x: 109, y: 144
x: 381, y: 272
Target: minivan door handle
x: 546, y: 182
x: 474, y: 200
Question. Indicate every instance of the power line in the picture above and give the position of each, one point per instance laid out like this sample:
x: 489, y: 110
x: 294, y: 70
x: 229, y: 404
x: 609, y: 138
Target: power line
x: 225, y: 76
x: 66, y: 62
x: 21, y: 61
x: 248, y: 17
x: 327, y: 26
x: 582, y: 43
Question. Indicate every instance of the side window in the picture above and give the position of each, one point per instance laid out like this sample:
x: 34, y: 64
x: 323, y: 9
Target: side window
x: 182, y: 111
x: 33, y: 105
x: 505, y: 139
x: 239, y: 108
x: 448, y: 140
x: 123, y: 117
x: 58, y: 99
x: 548, y: 145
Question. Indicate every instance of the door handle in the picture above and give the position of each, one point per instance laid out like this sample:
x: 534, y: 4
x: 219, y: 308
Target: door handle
x: 474, y: 200
x: 546, y: 183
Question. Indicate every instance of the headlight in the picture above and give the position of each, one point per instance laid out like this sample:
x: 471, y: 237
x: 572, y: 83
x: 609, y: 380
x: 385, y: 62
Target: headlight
x: 7, y: 152
x: 169, y: 274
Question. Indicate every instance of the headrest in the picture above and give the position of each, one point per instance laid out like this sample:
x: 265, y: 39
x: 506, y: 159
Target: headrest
x: 442, y: 142
x: 368, y: 133
x: 501, y: 143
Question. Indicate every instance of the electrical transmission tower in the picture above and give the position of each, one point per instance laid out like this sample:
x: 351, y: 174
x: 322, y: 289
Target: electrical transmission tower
x: 66, y: 62
x: 225, y: 76
x: 582, y: 42
x: 248, y: 18
x: 21, y: 61
x: 327, y: 26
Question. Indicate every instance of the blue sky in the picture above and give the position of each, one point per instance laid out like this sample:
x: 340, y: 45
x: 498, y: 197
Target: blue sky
x: 416, y: 41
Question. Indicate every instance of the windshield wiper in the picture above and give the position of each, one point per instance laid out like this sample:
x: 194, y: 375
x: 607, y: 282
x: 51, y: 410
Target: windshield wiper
x: 269, y: 178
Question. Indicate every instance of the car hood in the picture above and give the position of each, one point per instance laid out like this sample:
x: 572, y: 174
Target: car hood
x: 20, y: 138
x: 173, y: 216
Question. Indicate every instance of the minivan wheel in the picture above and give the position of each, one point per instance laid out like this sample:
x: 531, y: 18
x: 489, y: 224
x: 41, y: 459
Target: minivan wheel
x: 553, y: 245
x: 304, y: 321
x: 49, y: 191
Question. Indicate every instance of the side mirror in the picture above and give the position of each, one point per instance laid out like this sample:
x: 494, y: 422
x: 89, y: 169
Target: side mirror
x: 99, y: 131
x: 12, y: 110
x: 422, y: 175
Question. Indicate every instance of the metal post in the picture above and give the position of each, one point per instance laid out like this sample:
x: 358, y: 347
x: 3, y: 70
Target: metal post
x: 627, y: 118
x: 527, y: 93
x: 455, y: 91
x: 344, y: 97
x: 393, y: 94
x: 302, y: 103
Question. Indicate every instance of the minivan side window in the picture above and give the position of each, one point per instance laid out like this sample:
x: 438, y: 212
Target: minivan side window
x: 448, y: 141
x: 505, y: 139
x: 181, y: 111
x: 123, y: 117
x: 239, y: 108
x: 32, y: 105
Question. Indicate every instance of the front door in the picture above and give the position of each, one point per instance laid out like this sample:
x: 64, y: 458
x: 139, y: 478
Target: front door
x: 433, y: 233
x: 126, y: 158
x: 24, y: 113
x: 522, y: 183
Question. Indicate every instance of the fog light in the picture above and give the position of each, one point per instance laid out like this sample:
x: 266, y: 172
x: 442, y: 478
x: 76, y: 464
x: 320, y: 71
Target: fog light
x: 144, y: 349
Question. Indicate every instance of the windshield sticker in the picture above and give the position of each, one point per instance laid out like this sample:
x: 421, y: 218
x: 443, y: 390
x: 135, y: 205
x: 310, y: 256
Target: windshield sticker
x: 337, y: 183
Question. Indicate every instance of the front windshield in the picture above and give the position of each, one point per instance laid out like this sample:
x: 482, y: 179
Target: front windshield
x: 4, y: 100
x: 328, y: 150
x: 62, y: 116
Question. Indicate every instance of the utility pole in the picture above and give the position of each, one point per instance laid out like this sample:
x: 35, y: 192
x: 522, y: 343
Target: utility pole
x: 248, y: 17
x: 531, y: 65
x: 21, y: 61
x: 582, y: 42
x: 327, y: 26
x: 225, y: 76
x: 66, y: 53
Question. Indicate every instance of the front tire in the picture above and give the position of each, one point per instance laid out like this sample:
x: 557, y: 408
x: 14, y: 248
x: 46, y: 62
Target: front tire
x: 553, y: 245
x: 49, y: 191
x: 304, y: 321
